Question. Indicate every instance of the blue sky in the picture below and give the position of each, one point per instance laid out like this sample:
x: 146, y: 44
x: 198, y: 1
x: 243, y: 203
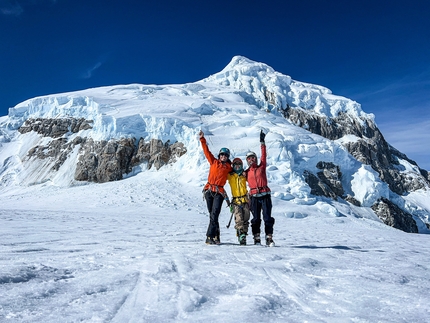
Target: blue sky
x: 376, y: 52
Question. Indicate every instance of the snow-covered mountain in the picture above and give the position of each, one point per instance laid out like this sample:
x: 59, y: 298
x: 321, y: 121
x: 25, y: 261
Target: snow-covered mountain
x: 319, y: 144
x: 102, y: 217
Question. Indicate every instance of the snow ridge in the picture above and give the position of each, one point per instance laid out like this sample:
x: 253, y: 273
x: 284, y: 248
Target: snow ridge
x: 259, y: 79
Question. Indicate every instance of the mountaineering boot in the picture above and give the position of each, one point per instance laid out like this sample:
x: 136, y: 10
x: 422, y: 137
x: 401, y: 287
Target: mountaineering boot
x: 241, y: 236
x: 269, y: 241
x: 217, y: 240
x: 210, y: 240
x: 242, y: 239
x: 217, y: 237
x: 257, y: 239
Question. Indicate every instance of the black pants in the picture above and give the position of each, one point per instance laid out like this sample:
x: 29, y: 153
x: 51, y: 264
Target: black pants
x: 258, y: 204
x: 214, y: 203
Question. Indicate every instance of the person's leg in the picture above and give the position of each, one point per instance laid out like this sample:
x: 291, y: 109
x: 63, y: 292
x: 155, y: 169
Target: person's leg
x: 256, y: 219
x: 216, y: 210
x: 269, y: 221
x: 209, y: 196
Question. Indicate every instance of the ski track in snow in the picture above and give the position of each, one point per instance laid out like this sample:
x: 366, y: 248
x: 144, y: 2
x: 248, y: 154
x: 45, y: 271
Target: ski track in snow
x: 132, y: 252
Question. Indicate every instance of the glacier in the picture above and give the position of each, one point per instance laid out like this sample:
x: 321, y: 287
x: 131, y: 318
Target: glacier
x: 231, y: 106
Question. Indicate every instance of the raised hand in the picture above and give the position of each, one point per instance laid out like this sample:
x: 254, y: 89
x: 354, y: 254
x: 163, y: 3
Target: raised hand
x: 262, y: 136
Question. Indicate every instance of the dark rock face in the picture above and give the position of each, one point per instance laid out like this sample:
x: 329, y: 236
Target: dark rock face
x: 55, y: 127
x: 104, y: 161
x: 370, y: 148
x: 57, y: 150
x: 327, y: 182
x: 318, y: 187
x: 393, y: 216
x: 99, y: 161
x: 331, y: 175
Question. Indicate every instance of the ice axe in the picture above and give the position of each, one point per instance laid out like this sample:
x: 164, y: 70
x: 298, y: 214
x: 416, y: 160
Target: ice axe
x: 231, y: 217
x: 231, y: 210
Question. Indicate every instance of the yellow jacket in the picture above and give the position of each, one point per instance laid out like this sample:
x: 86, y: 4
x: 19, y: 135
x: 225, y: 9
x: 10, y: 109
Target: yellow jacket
x: 238, y: 188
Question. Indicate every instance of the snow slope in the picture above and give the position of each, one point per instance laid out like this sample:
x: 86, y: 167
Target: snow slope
x: 133, y: 250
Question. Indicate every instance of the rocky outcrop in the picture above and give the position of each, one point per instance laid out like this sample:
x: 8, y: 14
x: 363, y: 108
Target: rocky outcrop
x: 370, y: 148
x: 55, y: 127
x: 104, y: 161
x: 58, y: 150
x: 393, y: 216
x: 98, y: 161
x: 331, y: 175
x: 327, y: 182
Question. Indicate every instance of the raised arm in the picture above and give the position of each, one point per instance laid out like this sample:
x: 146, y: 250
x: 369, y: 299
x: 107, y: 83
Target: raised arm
x: 263, y: 149
x: 209, y: 156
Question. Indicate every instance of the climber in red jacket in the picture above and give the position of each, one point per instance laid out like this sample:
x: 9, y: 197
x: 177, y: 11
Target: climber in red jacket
x: 260, y: 194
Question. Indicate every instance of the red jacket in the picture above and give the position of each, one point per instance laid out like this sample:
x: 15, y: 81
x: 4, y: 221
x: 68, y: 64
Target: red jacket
x: 256, y: 175
x: 218, y: 171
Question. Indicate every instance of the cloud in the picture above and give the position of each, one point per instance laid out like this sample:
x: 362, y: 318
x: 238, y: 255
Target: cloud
x: 410, y: 135
x: 89, y: 72
x: 10, y: 8
x: 410, y: 89
x: 16, y: 8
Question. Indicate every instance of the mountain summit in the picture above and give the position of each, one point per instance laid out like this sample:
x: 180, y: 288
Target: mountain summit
x: 323, y: 149
x: 275, y: 90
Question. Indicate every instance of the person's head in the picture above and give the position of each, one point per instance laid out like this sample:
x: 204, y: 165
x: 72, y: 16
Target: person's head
x: 237, y: 165
x: 251, y: 158
x: 224, y: 154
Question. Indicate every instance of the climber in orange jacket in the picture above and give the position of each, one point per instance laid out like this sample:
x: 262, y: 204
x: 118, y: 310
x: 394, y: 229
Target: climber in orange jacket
x: 214, y: 192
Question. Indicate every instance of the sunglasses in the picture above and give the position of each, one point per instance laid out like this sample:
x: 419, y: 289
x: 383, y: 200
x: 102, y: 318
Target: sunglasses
x: 222, y: 154
x: 251, y: 157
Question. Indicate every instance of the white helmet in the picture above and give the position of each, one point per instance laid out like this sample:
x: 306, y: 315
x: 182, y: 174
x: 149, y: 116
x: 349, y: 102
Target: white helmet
x: 251, y: 153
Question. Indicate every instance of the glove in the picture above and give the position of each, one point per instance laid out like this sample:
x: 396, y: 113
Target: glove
x: 262, y: 136
x: 201, y: 134
x: 231, y: 208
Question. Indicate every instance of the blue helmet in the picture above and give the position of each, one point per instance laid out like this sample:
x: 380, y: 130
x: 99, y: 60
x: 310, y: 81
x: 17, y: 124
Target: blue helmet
x: 224, y: 151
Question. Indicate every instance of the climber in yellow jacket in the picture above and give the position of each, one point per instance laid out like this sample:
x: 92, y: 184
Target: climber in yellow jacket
x: 240, y: 201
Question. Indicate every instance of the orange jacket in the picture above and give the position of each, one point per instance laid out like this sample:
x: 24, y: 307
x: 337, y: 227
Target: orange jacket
x: 218, y: 171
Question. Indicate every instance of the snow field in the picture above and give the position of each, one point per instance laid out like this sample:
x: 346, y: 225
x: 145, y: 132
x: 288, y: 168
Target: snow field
x: 133, y: 251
